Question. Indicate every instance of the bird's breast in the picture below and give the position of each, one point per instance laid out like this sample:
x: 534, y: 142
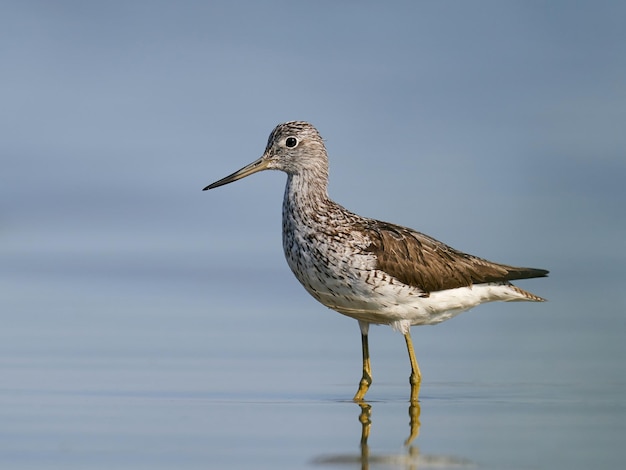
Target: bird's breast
x: 325, y: 254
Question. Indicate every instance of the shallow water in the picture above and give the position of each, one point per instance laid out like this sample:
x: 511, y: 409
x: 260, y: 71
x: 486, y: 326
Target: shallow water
x: 460, y: 425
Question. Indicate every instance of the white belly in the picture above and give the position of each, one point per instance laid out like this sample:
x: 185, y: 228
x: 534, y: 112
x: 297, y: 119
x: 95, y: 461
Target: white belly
x: 405, y: 306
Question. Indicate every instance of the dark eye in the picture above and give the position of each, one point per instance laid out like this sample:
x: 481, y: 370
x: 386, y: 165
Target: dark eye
x: 291, y: 142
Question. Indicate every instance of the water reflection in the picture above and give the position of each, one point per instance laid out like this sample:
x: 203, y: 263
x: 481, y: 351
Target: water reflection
x: 410, y: 459
x: 366, y: 422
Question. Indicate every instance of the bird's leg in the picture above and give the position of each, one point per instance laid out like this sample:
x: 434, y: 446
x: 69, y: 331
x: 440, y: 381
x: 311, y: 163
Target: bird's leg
x: 416, y: 376
x: 366, y: 380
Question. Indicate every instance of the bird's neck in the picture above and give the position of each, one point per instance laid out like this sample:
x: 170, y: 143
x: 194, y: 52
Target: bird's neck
x: 306, y: 196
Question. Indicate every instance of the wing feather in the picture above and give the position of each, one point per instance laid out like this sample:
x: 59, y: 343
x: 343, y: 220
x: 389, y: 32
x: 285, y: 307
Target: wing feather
x: 428, y: 264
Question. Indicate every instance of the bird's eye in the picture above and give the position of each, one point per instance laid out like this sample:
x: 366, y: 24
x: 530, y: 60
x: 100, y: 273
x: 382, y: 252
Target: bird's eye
x: 291, y: 142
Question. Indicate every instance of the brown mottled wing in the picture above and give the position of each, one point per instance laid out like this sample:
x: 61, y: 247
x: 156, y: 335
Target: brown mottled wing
x: 421, y: 261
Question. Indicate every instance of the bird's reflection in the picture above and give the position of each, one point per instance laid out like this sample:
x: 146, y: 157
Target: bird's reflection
x: 411, y: 459
x: 366, y: 423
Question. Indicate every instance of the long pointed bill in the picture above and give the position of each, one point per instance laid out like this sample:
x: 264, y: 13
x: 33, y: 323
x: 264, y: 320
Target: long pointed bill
x: 254, y: 167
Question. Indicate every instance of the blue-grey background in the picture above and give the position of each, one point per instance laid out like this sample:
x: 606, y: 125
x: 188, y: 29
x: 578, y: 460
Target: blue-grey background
x: 147, y: 324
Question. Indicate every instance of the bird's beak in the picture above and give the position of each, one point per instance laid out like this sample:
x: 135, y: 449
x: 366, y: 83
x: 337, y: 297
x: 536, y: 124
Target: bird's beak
x: 254, y: 167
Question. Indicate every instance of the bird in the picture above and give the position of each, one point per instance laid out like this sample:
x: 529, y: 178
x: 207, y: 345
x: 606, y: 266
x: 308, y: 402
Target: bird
x: 373, y: 271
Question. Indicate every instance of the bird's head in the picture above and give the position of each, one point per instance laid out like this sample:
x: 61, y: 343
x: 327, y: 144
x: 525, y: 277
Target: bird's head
x: 294, y: 147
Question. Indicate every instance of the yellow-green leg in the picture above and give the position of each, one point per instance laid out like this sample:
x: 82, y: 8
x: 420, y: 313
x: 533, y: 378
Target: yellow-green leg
x: 416, y: 376
x: 366, y: 380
